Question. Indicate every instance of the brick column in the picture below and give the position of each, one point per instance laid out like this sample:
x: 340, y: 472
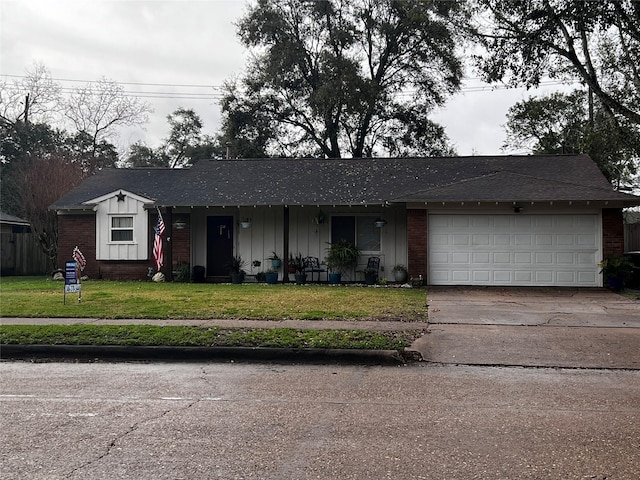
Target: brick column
x: 612, y: 231
x: 417, y: 242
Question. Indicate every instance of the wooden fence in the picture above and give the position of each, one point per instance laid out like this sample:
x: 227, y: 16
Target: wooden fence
x: 632, y: 237
x: 21, y: 255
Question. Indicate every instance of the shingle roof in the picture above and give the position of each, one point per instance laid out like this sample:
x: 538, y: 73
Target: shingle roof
x: 357, y: 181
x: 12, y: 219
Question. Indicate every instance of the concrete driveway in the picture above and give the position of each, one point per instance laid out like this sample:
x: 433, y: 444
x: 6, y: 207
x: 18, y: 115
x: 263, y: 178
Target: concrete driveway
x: 539, y: 327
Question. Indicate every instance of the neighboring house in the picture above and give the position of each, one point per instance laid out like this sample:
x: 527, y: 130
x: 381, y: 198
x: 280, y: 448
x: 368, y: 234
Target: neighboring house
x: 19, y: 251
x: 504, y: 220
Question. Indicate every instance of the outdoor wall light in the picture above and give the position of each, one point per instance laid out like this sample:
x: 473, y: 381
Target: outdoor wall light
x: 246, y: 223
x: 517, y: 208
x: 379, y: 223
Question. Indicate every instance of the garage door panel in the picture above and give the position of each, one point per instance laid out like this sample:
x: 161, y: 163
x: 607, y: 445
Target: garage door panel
x: 523, y: 276
x: 481, y: 257
x: 544, y: 258
x: 461, y: 276
x: 482, y: 276
x: 460, y: 257
x: 544, y: 240
x: 564, y: 258
x: 514, y: 249
x: 460, y: 239
x: 522, y: 257
x: 501, y: 257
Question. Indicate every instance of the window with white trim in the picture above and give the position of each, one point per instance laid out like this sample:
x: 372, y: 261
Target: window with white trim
x: 121, y: 229
x: 358, y: 229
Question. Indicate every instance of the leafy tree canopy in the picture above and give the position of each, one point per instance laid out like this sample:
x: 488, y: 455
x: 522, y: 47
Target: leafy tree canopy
x: 595, y: 42
x: 337, y: 78
x: 184, y: 146
x: 561, y: 123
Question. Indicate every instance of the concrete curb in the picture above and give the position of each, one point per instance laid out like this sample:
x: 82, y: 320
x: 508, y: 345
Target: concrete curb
x: 117, y: 353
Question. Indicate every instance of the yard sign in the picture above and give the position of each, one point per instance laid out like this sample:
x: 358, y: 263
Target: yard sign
x: 72, y: 280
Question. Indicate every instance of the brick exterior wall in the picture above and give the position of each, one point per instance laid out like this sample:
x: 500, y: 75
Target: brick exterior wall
x: 181, y: 241
x: 417, y: 242
x: 80, y: 230
x: 612, y: 231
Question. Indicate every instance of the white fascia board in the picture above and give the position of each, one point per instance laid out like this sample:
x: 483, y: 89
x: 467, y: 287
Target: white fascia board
x: 97, y: 200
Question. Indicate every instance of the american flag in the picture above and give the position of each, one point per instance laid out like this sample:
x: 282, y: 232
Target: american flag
x: 158, y: 255
x: 78, y: 257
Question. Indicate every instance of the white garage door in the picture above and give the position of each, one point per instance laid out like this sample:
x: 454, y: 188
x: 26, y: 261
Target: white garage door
x: 520, y: 249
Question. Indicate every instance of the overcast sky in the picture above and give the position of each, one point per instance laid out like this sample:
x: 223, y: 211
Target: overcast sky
x: 177, y: 52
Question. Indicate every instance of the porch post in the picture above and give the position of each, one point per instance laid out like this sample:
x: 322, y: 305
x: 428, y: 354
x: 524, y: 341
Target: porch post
x: 285, y: 245
x: 168, y: 224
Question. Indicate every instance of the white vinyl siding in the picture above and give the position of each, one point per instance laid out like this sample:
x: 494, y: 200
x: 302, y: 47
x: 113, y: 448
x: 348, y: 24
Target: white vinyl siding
x: 121, y: 229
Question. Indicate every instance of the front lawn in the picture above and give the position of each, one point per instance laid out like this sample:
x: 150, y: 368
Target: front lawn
x: 42, y: 297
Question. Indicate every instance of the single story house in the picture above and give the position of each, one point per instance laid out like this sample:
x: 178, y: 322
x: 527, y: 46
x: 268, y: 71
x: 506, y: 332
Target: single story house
x: 495, y: 220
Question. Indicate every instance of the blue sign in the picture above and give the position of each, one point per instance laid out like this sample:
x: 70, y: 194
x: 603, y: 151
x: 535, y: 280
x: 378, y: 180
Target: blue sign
x: 71, y: 281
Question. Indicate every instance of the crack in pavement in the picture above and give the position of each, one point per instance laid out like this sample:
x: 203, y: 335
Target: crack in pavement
x: 118, y: 438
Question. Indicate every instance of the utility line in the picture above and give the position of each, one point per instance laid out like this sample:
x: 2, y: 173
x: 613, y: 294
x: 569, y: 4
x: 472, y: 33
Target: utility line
x: 219, y: 94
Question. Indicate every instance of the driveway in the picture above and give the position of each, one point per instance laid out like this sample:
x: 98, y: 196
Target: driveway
x: 540, y: 327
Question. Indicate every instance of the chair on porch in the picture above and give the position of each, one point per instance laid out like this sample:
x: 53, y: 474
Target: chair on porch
x: 373, y: 264
x: 312, y: 265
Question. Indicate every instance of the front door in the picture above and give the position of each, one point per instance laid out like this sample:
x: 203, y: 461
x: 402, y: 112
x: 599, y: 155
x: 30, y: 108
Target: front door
x: 219, y: 245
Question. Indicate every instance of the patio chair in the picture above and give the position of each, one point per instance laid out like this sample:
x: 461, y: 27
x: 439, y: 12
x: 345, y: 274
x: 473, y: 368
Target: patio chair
x: 313, y: 266
x: 373, y: 263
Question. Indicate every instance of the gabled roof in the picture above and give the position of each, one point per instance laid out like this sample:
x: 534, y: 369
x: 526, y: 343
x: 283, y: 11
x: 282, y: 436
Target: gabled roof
x: 357, y: 181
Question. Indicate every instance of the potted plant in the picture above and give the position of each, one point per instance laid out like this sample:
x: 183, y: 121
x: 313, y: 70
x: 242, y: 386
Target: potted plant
x: 299, y: 264
x: 400, y: 273
x: 275, y: 260
x: 235, y: 269
x: 341, y: 257
x: 271, y: 276
x: 617, y: 270
x: 370, y: 276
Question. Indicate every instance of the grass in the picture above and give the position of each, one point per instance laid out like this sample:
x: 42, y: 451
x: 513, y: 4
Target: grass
x: 41, y: 297
x: 147, y: 335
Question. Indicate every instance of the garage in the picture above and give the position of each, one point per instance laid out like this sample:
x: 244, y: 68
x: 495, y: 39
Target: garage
x: 514, y: 249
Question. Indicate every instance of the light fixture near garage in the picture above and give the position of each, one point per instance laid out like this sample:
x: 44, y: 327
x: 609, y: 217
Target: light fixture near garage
x: 517, y: 208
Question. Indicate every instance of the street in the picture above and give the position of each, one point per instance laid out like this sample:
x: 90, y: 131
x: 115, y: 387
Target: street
x: 277, y: 421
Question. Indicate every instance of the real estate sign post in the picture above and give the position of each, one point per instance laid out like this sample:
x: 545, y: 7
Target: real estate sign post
x: 72, y: 282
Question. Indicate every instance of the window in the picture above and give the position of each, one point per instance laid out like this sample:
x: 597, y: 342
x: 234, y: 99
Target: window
x: 122, y: 229
x: 359, y: 229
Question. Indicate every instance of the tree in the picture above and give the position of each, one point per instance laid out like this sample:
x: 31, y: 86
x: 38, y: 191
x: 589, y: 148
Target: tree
x: 33, y: 98
x: 336, y: 77
x: 185, y: 134
x: 184, y: 146
x: 550, y: 124
x: 98, y: 108
x: 20, y: 143
x: 141, y: 155
x: 564, y: 123
x: 43, y: 181
x: 596, y: 42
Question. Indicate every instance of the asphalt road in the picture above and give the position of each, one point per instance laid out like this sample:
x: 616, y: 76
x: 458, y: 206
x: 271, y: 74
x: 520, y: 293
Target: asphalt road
x: 272, y: 421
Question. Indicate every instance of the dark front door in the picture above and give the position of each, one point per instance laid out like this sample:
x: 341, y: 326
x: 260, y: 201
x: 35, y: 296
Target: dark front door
x: 219, y: 245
